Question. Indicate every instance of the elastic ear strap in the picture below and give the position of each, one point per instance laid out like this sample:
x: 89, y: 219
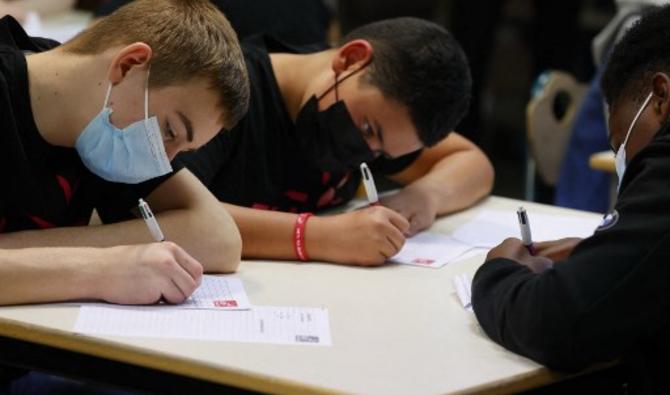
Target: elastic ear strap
x: 639, y: 112
x: 146, y: 97
x: 334, y: 86
x: 107, y: 96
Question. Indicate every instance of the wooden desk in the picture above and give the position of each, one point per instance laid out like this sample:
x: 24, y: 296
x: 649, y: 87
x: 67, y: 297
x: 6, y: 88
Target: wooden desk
x: 395, y: 329
x: 603, y: 161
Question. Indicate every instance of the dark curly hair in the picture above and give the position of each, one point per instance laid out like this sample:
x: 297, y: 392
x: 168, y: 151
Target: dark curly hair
x: 643, y: 51
x: 419, y: 64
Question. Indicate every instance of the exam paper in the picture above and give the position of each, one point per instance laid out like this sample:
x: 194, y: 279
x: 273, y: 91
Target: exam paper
x: 430, y: 250
x: 224, y: 292
x: 261, y: 324
x: 463, y: 287
x: 491, y: 227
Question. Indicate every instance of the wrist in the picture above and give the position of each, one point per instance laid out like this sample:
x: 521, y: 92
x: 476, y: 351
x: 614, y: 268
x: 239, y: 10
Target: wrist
x: 431, y: 193
x: 299, y: 241
x: 316, y: 237
x: 99, y: 278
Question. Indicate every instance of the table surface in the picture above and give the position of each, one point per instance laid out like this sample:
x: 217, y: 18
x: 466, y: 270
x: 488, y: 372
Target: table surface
x: 396, y: 330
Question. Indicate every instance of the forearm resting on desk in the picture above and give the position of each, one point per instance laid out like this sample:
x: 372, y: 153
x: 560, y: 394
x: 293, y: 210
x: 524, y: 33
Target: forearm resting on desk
x: 215, y: 253
x: 363, y: 237
x: 140, y: 274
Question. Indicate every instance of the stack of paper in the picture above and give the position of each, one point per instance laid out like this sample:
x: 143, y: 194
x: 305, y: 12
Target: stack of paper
x: 218, y: 310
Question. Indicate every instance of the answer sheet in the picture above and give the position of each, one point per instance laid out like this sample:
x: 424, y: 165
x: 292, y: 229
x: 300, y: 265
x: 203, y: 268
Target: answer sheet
x: 490, y: 227
x: 223, y: 292
x: 430, y: 250
x: 463, y: 286
x: 261, y: 324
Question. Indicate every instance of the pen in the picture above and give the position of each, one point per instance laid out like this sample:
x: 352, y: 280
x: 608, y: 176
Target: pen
x: 150, y: 220
x: 369, y: 184
x: 524, y: 225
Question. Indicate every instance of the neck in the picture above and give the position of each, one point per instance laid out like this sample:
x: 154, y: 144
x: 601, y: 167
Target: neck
x: 301, y: 76
x: 66, y: 92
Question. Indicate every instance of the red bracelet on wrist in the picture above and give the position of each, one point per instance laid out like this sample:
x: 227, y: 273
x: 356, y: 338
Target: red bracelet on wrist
x: 299, y: 236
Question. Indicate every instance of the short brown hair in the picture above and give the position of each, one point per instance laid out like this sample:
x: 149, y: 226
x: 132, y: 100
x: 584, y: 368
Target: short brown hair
x: 189, y: 39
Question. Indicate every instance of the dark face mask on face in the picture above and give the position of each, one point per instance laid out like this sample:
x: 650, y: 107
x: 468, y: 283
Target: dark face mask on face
x: 331, y: 138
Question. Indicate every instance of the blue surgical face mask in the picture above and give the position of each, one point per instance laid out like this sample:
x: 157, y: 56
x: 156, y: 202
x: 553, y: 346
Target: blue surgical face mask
x: 620, y: 159
x: 130, y: 155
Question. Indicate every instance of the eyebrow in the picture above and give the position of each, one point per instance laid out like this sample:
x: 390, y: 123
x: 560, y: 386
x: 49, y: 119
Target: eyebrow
x: 188, y: 125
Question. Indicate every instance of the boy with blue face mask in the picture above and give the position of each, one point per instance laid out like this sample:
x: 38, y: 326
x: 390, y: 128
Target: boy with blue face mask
x: 605, y: 297
x: 94, y: 123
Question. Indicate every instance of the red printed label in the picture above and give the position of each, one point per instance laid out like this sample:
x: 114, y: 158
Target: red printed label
x: 225, y: 303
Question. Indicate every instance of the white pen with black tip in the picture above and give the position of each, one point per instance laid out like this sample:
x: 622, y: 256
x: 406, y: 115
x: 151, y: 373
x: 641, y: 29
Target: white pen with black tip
x: 150, y: 220
x: 369, y: 185
x: 524, y: 226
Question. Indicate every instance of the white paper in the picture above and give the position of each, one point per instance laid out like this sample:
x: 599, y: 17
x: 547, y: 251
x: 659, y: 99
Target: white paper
x: 491, y: 227
x: 463, y: 287
x: 261, y: 324
x: 430, y: 250
x: 224, y: 292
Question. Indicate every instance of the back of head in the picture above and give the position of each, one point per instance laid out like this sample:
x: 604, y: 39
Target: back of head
x: 643, y: 51
x: 190, y: 39
x: 419, y: 64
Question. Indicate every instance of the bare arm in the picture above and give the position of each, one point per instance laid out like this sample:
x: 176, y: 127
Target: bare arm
x: 140, y: 274
x: 187, y: 212
x: 364, y: 237
x: 456, y: 173
x: 446, y: 178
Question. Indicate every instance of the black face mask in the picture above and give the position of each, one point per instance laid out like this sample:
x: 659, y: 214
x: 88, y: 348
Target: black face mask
x: 331, y: 138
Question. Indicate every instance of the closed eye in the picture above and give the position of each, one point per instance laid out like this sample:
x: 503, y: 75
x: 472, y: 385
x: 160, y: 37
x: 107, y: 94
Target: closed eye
x: 170, y: 134
x: 368, y: 131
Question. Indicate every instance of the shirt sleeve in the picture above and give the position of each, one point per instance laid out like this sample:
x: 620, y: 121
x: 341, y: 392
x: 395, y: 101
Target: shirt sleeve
x: 611, y: 293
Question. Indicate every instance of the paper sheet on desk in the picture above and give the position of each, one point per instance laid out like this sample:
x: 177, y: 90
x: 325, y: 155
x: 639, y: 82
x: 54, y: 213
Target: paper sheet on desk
x: 224, y: 292
x: 430, y: 250
x: 220, y: 292
x: 491, y: 227
x: 463, y: 287
x: 261, y: 324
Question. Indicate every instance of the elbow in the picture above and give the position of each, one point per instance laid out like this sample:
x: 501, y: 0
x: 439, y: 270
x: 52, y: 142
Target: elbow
x: 232, y: 254
x: 226, y: 251
x: 220, y: 243
x: 487, y: 175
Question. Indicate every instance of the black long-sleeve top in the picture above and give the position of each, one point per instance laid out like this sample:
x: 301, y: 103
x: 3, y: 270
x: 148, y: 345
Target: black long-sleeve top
x: 609, y: 299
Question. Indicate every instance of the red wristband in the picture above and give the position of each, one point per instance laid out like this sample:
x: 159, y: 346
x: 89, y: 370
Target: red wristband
x: 299, y: 236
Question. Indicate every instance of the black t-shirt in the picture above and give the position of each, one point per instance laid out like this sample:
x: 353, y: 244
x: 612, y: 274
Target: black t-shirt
x: 45, y: 186
x: 259, y: 164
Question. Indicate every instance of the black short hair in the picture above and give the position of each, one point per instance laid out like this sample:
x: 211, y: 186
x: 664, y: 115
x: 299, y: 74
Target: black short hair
x: 643, y: 51
x: 419, y: 64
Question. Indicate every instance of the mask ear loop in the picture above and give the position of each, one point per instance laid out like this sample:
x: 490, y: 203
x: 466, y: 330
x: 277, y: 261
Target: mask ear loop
x: 334, y: 86
x: 107, y: 96
x: 637, y: 116
x: 146, y: 97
